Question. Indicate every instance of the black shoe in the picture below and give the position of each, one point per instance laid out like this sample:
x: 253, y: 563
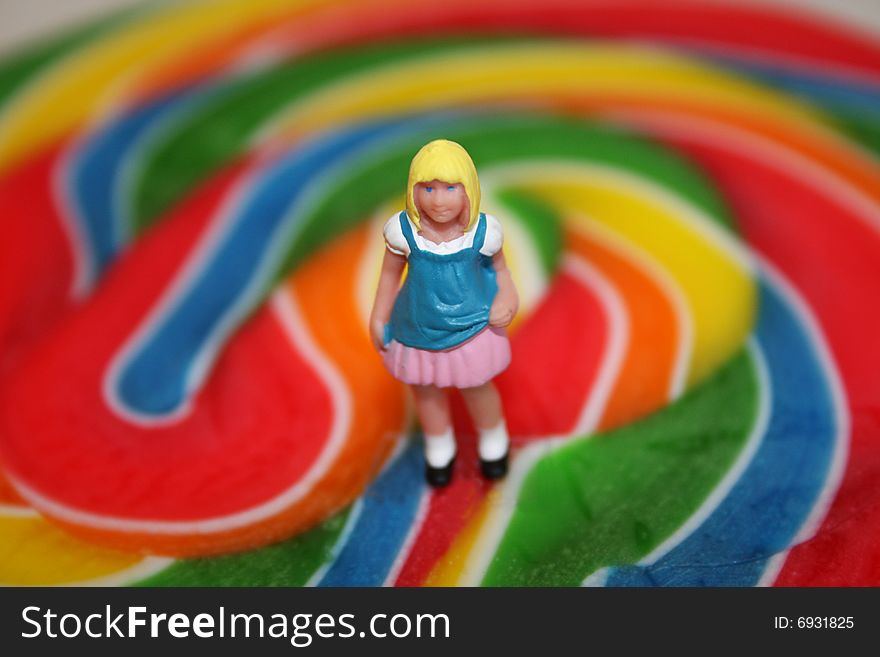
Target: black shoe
x: 494, y: 469
x: 439, y: 477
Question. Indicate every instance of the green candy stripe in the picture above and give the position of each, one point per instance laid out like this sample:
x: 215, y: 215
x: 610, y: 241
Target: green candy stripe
x: 612, y: 499
x: 291, y: 563
x: 496, y: 141
x: 541, y: 222
x: 206, y: 138
x: 863, y: 129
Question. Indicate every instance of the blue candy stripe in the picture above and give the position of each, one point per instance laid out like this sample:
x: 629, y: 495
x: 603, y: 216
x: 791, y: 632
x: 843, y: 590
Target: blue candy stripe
x: 833, y: 92
x: 168, y: 364
x: 388, y: 510
x: 765, y: 509
x: 157, y: 372
x: 96, y: 173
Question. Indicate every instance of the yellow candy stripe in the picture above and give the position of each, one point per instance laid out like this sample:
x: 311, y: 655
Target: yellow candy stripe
x: 90, y: 81
x: 533, y: 70
x: 711, y: 269
x: 449, y: 570
x: 36, y: 553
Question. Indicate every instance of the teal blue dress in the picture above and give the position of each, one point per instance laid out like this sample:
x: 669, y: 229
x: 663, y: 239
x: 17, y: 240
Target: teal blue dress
x: 446, y: 298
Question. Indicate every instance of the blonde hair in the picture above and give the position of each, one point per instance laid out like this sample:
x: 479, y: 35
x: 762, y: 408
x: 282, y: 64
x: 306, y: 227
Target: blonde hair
x: 448, y: 161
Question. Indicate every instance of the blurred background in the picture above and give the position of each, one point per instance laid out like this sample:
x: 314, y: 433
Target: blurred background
x: 192, y: 196
x: 23, y: 22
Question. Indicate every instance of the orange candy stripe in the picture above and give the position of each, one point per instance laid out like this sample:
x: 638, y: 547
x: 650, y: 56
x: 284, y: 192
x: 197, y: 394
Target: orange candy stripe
x: 644, y: 380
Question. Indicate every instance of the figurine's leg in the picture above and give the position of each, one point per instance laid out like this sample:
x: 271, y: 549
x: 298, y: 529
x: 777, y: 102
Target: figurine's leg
x: 432, y: 406
x: 484, y: 405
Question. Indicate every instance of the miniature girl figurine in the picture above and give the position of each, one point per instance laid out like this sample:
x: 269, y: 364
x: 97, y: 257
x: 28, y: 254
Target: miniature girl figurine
x: 444, y: 328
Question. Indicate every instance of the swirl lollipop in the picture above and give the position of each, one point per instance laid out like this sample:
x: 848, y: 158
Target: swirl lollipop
x: 697, y: 348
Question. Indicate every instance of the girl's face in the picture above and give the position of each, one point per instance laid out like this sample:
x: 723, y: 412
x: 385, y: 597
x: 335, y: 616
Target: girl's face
x: 442, y: 202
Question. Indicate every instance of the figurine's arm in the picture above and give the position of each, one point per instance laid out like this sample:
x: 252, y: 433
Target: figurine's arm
x: 386, y: 293
x: 506, y: 301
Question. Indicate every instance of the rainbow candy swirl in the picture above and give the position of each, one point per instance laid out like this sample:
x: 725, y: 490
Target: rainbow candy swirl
x: 193, y: 199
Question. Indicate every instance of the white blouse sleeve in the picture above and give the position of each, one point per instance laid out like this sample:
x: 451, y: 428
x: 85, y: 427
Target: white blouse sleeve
x: 494, y: 236
x: 394, y: 239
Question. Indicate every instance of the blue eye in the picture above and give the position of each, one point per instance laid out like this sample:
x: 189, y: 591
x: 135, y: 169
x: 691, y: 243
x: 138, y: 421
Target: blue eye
x: 429, y: 188
x: 451, y: 188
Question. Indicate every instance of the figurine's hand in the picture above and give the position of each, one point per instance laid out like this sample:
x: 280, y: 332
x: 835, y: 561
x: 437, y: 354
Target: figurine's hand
x: 377, y: 334
x: 501, y: 313
x: 506, y: 301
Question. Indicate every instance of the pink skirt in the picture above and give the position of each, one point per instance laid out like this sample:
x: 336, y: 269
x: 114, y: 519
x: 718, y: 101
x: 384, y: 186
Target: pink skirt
x: 468, y: 365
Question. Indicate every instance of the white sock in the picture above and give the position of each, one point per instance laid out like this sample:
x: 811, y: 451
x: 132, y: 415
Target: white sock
x: 440, y: 450
x: 493, y: 442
